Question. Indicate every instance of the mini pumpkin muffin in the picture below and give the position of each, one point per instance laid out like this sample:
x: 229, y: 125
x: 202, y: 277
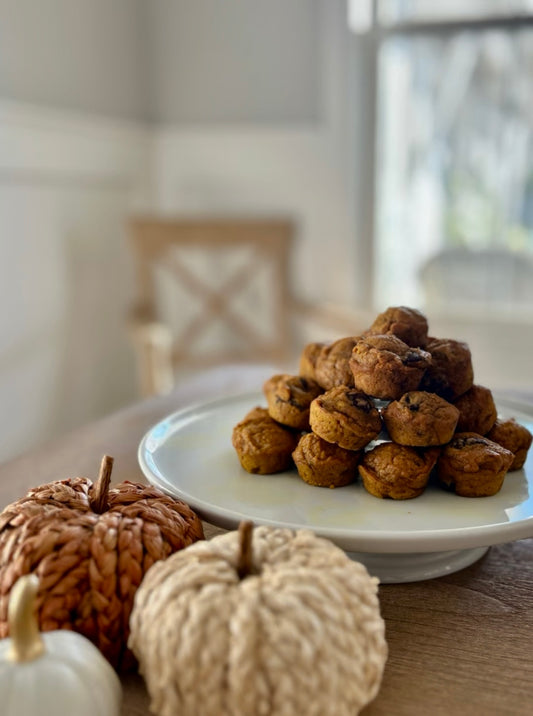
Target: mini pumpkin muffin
x: 324, y: 464
x: 477, y: 410
x: 408, y: 324
x: 514, y: 437
x: 385, y: 367
x: 289, y: 397
x: 262, y: 445
x: 397, y: 471
x: 473, y: 465
x: 451, y: 372
x: 257, y: 413
x: 420, y: 419
x: 346, y: 417
x: 308, y: 358
x: 333, y: 363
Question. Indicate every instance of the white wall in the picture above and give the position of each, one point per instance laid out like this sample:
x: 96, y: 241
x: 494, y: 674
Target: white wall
x: 252, y: 104
x: 247, y: 108
x: 69, y: 178
x: 67, y: 185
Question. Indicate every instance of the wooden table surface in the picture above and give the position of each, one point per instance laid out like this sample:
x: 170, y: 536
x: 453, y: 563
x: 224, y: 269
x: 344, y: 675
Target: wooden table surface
x: 458, y: 645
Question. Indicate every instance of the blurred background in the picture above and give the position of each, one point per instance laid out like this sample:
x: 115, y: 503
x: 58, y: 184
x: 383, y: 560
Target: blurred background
x: 392, y: 139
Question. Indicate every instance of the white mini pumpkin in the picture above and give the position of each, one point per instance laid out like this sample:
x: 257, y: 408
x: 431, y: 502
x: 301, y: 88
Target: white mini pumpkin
x: 57, y: 673
x: 259, y: 622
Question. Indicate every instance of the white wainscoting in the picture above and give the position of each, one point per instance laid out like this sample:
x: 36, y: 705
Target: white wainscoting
x: 68, y: 183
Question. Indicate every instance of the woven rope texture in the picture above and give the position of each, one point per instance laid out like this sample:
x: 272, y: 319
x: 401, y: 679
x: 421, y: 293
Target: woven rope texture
x: 89, y: 564
x: 300, y: 634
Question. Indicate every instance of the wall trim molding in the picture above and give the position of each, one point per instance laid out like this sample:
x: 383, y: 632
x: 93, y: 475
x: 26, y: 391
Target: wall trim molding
x: 42, y: 144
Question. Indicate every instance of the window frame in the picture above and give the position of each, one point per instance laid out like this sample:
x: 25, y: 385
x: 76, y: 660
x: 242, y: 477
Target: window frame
x: 367, y: 160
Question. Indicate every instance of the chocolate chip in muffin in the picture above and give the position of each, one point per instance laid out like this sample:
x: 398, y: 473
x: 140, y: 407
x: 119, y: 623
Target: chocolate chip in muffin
x: 460, y: 441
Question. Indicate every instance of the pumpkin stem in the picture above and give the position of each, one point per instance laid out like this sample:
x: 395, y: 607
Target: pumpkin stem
x: 99, y: 501
x: 26, y: 640
x: 244, y: 562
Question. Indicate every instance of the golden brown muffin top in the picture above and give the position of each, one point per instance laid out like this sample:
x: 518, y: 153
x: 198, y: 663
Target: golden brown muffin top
x: 408, y: 324
x: 390, y: 460
x: 332, y: 366
x: 422, y: 403
x: 470, y: 452
x: 308, y: 359
x: 258, y: 431
x: 421, y: 418
x: 477, y: 410
x: 355, y: 406
x: 451, y: 372
x: 513, y: 435
x: 389, y: 347
x: 296, y: 390
x: 313, y: 449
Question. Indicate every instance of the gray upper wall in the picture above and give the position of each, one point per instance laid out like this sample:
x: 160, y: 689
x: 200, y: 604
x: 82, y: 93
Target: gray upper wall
x: 88, y: 55
x: 235, y: 61
x: 166, y: 61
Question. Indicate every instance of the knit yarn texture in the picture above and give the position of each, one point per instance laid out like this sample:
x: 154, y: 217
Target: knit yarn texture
x: 301, y: 634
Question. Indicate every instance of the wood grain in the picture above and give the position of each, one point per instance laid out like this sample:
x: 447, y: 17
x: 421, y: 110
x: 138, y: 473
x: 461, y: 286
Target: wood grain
x: 459, y: 645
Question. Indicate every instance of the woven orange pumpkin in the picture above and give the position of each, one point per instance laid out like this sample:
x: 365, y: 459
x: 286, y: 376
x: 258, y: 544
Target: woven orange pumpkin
x: 90, y: 546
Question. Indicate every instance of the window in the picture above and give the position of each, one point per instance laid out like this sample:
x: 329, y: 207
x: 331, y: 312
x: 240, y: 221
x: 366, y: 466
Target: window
x: 454, y: 172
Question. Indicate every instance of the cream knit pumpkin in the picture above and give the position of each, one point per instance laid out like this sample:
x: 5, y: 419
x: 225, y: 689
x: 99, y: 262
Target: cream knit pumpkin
x: 284, y: 624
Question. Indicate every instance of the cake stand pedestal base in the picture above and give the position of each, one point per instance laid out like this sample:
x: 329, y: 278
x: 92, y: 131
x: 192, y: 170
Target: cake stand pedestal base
x: 415, y: 567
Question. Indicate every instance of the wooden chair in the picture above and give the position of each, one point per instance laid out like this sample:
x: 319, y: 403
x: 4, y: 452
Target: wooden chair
x: 209, y: 291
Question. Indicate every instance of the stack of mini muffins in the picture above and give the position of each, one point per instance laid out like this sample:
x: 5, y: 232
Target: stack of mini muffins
x: 390, y: 405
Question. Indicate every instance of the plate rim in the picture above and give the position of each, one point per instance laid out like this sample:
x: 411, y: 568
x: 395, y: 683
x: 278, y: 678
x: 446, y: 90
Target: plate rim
x: 372, y: 540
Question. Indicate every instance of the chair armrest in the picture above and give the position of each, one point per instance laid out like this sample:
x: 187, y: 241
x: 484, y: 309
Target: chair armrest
x: 152, y: 342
